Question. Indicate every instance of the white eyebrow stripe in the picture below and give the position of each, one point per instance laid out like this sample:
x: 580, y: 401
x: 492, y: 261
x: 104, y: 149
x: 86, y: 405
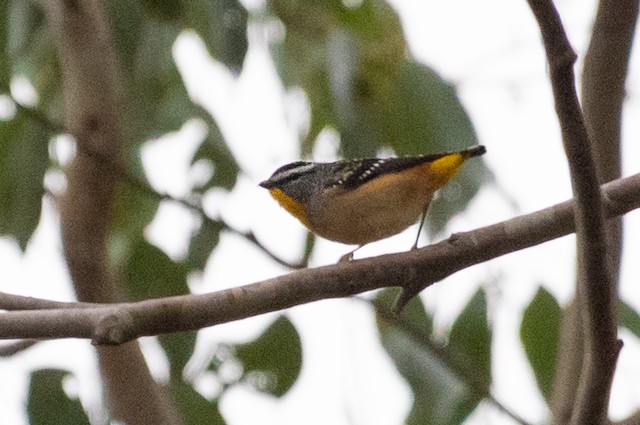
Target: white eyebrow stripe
x: 302, y: 169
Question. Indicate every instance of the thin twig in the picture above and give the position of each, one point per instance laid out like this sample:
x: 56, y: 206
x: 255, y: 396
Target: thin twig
x: 117, y: 323
x: 11, y: 349
x: 124, y: 175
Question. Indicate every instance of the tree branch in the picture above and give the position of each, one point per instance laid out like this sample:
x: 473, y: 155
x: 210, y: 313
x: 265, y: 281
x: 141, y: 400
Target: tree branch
x: 601, y: 345
x: 118, y: 323
x: 603, y: 90
x: 92, y: 108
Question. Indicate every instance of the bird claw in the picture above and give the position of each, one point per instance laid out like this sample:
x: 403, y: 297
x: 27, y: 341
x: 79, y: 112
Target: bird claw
x: 346, y: 257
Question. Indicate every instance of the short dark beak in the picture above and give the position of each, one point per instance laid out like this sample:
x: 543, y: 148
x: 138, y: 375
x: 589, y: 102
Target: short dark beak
x: 264, y: 184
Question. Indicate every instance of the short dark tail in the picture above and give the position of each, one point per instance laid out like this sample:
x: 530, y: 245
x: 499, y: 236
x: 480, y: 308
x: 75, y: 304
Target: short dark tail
x: 474, y: 151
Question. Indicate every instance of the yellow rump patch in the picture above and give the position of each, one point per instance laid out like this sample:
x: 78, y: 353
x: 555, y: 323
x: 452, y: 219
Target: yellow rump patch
x: 288, y: 203
x: 446, y: 167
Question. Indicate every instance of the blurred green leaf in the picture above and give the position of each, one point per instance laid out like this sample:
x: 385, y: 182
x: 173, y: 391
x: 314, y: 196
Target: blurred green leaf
x: 133, y: 210
x: 165, y: 10
x: 179, y: 348
x: 204, y: 240
x: 195, y: 409
x: 629, y: 318
x: 150, y: 273
x: 414, y: 312
x: 34, y: 55
x: 158, y: 103
x: 539, y: 334
x: 48, y: 404
x: 222, y: 25
x: 470, y: 339
x: 440, y: 396
x: 426, y: 116
x: 426, y: 113
x: 126, y: 18
x: 24, y: 158
x: 5, y: 64
x: 347, y: 60
x: 272, y: 362
x: 216, y: 153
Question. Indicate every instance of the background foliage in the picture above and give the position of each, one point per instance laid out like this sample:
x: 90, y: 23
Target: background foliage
x: 359, y: 79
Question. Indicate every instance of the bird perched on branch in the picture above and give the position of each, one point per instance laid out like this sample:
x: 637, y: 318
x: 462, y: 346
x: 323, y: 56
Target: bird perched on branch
x: 364, y: 200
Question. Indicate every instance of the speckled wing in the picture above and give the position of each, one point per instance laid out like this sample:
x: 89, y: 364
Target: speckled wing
x: 354, y: 173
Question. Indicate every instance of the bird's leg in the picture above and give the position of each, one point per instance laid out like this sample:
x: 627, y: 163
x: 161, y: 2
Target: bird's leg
x: 349, y: 255
x: 424, y: 215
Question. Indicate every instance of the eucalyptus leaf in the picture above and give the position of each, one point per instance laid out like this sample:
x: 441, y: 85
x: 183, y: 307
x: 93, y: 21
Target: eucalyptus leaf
x: 195, y: 409
x: 470, y: 340
x: 47, y: 403
x: 222, y: 25
x: 273, y: 361
x: 440, y: 395
x: 24, y: 159
x: 34, y: 55
x: 203, y: 241
x: 347, y: 60
x: 413, y: 313
x: 629, y: 318
x: 179, y: 348
x: 539, y: 334
x: 150, y: 273
x: 165, y: 10
x: 5, y: 64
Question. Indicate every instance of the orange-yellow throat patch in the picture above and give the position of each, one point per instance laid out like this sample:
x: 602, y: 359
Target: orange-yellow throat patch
x: 288, y: 203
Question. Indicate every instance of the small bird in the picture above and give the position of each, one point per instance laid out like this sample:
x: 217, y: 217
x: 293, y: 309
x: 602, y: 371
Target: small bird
x: 364, y: 200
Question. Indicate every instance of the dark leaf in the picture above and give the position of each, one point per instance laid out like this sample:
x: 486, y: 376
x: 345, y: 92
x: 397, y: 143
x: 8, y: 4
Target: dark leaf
x: 5, y: 64
x: 470, y: 340
x: 202, y: 244
x: 216, y: 153
x: 48, y: 404
x: 126, y: 18
x: 158, y: 103
x: 179, y: 348
x: 539, y: 334
x: 222, y: 24
x: 24, y: 158
x: 195, y: 409
x: 414, y: 312
x: 165, y: 10
x: 34, y: 55
x: 629, y: 318
x: 134, y: 209
x: 272, y: 362
x: 426, y: 116
x: 150, y: 273
x: 347, y: 60
x: 440, y: 396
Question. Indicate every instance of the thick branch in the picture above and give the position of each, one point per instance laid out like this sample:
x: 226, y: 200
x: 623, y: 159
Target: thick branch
x: 603, y: 90
x: 117, y: 323
x: 91, y: 86
x: 598, y: 314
